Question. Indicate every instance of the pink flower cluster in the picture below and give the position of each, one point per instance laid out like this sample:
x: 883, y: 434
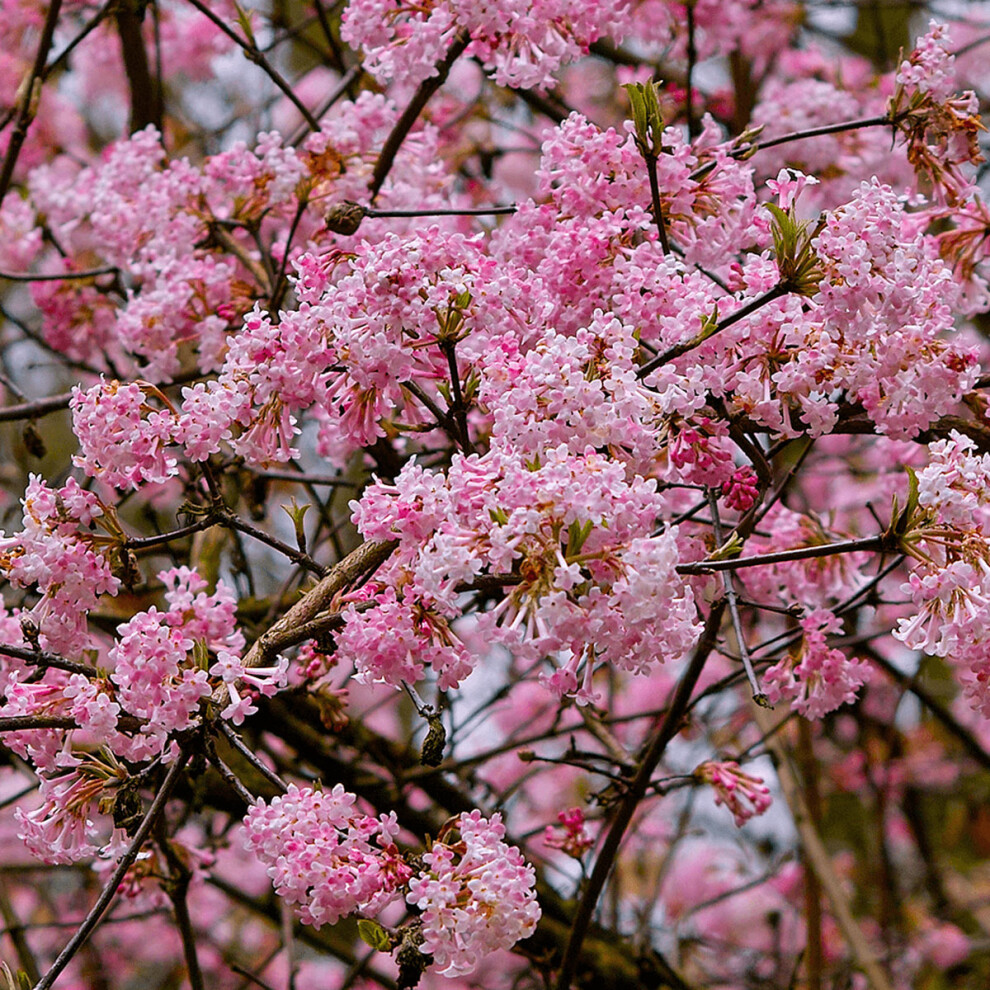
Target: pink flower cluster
x: 329, y: 860
x: 878, y: 321
x: 941, y: 125
x: 929, y: 70
x: 73, y: 821
x: 229, y: 670
x: 575, y: 841
x: 818, y: 680
x: 121, y: 437
x: 88, y: 701
x: 588, y: 584
x: 744, y: 795
x: 324, y: 856
x: 476, y: 894
x: 57, y: 554
x: 949, y: 536
x: 523, y: 41
x: 161, y: 670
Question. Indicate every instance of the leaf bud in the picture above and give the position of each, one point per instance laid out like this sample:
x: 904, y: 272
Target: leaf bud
x: 344, y: 218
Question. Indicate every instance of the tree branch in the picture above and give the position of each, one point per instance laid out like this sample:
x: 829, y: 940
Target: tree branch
x: 637, y: 790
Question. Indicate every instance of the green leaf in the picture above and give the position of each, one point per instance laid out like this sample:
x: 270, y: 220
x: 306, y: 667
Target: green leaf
x: 709, y: 323
x: 244, y: 20
x: 912, y: 502
x: 374, y: 935
x: 797, y: 261
x: 577, y: 535
x: 731, y: 548
x: 903, y: 519
x: 646, y: 116
x: 297, y: 513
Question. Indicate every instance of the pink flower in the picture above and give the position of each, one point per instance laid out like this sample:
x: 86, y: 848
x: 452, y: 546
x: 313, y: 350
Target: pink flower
x: 324, y: 856
x: 230, y: 669
x: 475, y: 892
x: 575, y: 841
x: 818, y: 680
x: 744, y: 795
x: 741, y: 490
x: 123, y: 439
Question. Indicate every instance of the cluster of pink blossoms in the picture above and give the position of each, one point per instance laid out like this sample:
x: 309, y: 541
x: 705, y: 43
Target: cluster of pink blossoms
x: 329, y: 860
x: 818, y: 680
x: 575, y: 841
x: 122, y: 439
x: 523, y: 41
x: 160, y: 676
x: 75, y: 819
x: 587, y: 583
x: 161, y: 666
x: 475, y: 892
x: 744, y: 795
x: 324, y: 856
x: 941, y: 125
x: 949, y: 537
x: 57, y: 553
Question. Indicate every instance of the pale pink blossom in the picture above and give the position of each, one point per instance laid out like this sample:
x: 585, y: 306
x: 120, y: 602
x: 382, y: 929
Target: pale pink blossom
x: 324, y: 856
x: 818, y: 680
x: 743, y: 794
x: 475, y: 892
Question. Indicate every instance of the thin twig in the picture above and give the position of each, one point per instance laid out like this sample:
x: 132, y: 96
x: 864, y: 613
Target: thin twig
x: 63, y: 277
x: 30, y: 95
x: 232, y: 780
x: 159, y: 539
x: 266, y: 771
x: 296, y: 556
x: 747, y: 310
x: 939, y: 711
x: 410, y: 115
x: 146, y: 97
x: 480, y: 211
x: 302, y: 478
x: 42, y: 658
x: 851, y: 125
x: 254, y: 54
x: 36, y: 408
x: 867, y: 543
x: 637, y: 789
x: 818, y: 859
x: 728, y: 585
x: 91, y: 25
x: 15, y: 929
x: 281, y: 284
x: 651, y: 172
x: 18, y: 723
x: 176, y: 886
x: 458, y: 410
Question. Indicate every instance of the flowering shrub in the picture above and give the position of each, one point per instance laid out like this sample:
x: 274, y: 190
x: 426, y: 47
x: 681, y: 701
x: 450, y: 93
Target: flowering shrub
x: 437, y: 453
